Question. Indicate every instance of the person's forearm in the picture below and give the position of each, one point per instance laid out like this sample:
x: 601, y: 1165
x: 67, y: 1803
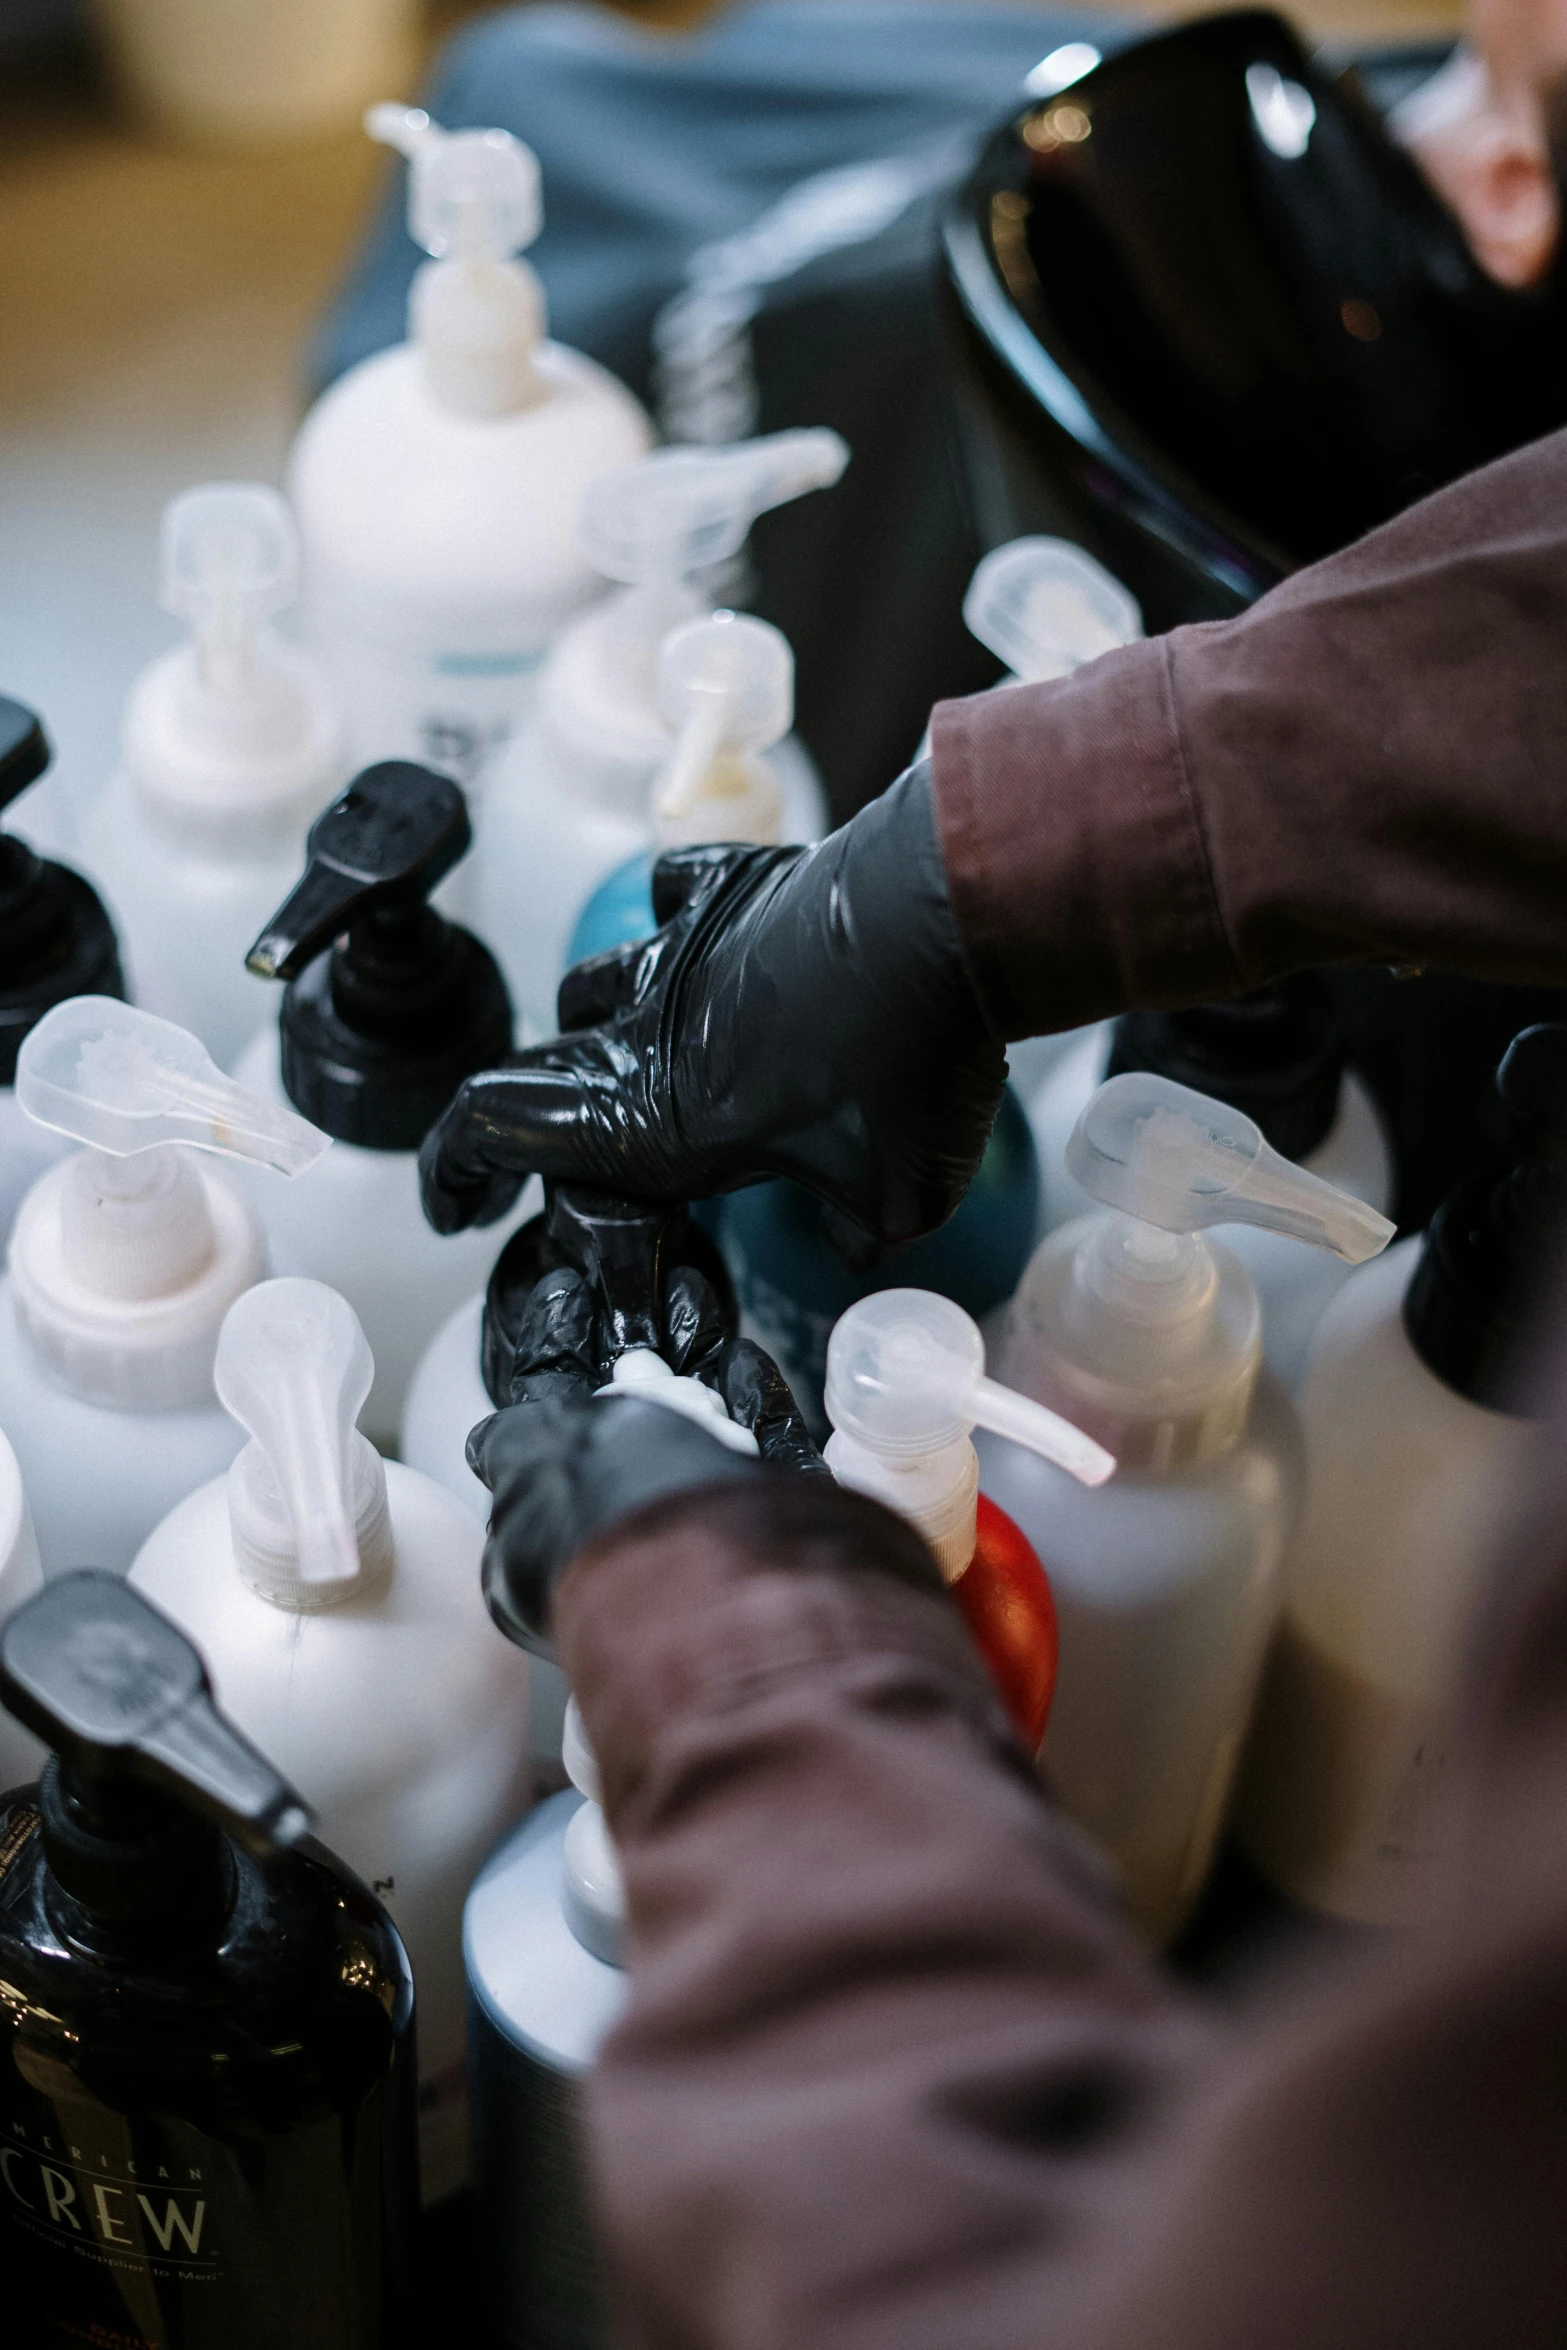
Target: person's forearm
x: 1366, y: 768
x: 892, y: 2061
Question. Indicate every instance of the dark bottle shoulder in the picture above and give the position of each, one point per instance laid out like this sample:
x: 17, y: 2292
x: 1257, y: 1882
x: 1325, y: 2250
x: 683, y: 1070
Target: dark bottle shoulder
x: 303, y: 1981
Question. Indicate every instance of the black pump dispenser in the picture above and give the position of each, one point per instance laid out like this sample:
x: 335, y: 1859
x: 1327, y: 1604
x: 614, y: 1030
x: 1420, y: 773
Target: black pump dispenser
x: 1497, y: 1244
x: 390, y: 1006
x: 55, y: 938
x: 1277, y: 1054
x: 207, y: 2125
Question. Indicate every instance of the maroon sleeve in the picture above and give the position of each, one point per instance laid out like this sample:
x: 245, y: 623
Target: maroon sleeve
x: 1367, y: 767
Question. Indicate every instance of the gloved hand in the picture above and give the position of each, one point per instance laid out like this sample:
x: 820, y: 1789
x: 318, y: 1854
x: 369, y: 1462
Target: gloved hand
x: 564, y: 1462
x: 802, y: 1012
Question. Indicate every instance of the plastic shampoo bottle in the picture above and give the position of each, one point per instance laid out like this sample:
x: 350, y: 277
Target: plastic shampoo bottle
x: 207, y: 2072
x: 1148, y: 1335
x: 1415, y: 1447
x: 906, y: 1387
x: 1278, y: 1055
x: 337, y: 1598
x: 389, y: 1007
x: 55, y: 941
x: 569, y: 801
x: 438, y: 484
x: 125, y: 1258
x: 232, y: 745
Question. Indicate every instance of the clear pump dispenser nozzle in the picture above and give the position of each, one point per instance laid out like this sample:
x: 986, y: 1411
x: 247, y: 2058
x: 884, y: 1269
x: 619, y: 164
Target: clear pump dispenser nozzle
x: 679, y: 512
x: 905, y: 1386
x: 727, y: 684
x: 230, y: 559
x: 476, y: 312
x: 307, y: 1496
x: 1045, y: 607
x: 1178, y: 1160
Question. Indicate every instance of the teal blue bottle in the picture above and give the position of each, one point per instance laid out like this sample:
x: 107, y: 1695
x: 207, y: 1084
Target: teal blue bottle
x: 619, y: 912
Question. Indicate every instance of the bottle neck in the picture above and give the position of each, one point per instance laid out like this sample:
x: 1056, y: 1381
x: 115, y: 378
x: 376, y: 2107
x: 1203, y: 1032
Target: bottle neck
x: 938, y: 1492
x: 261, y: 1527
x: 477, y: 324
x: 130, y: 1865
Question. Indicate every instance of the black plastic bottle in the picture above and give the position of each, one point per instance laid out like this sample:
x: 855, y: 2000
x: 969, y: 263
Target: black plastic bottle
x: 207, y: 2136
x: 388, y: 1008
x: 55, y: 941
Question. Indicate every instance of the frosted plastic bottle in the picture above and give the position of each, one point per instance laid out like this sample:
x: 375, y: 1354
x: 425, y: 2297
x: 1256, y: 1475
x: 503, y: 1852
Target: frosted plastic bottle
x: 438, y: 484
x: 232, y: 745
x: 1415, y: 1449
x: 542, y: 1941
x: 336, y: 1599
x: 1278, y: 1055
x: 55, y: 941
x: 569, y: 800
x: 125, y: 1258
x: 726, y: 691
x: 21, y: 1575
x: 906, y: 1386
x: 1167, y: 1580
x: 388, y: 1008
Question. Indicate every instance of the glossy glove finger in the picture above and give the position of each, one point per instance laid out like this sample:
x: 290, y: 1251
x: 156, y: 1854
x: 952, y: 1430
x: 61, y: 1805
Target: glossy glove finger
x: 684, y: 879
x: 759, y: 1397
x: 594, y: 991
x: 696, y: 1324
x: 561, y: 1350
x: 567, y: 1111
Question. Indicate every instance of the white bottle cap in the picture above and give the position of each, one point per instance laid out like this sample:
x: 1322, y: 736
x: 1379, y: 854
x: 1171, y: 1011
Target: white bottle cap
x: 1045, y: 607
x: 660, y: 526
x: 477, y: 314
x: 234, y: 725
x: 727, y: 685
x: 593, y: 1892
x: 127, y: 1255
x: 905, y: 1386
x: 1141, y: 1330
x: 646, y: 1375
x: 307, y: 1496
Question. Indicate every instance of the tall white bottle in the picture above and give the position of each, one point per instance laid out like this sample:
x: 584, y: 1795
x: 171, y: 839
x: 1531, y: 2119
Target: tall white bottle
x: 21, y: 1576
x: 124, y: 1260
x: 568, y: 800
x: 55, y: 941
x: 1277, y: 1055
x: 1148, y: 1336
x: 232, y: 745
x: 388, y: 1008
x: 336, y: 1599
x: 1416, y: 1447
x: 438, y: 484
x: 543, y: 1941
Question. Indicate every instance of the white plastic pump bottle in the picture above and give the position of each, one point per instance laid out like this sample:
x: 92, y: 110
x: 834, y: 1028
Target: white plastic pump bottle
x: 1278, y: 1055
x: 232, y: 744
x: 21, y: 1576
x: 1148, y: 1336
x: 438, y: 484
x: 336, y: 1599
x: 568, y: 801
x: 124, y: 1260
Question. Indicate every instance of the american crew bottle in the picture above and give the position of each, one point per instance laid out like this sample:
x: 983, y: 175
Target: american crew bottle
x: 206, y: 2042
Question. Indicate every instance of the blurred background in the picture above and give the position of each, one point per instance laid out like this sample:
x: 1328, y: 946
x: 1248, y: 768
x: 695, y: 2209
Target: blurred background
x: 183, y: 186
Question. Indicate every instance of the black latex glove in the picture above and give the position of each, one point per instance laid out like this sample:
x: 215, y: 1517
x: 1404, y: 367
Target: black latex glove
x: 802, y: 1012
x: 564, y: 1463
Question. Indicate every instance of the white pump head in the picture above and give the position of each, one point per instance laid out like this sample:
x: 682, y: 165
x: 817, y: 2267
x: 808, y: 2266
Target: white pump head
x: 307, y: 1496
x: 726, y: 684
x: 127, y: 1255
x: 642, y: 1373
x: 1132, y: 1322
x: 1171, y: 1157
x: 235, y: 723
x: 475, y: 311
x: 679, y: 512
x: 905, y: 1386
x: 1045, y: 607
x: 593, y: 1892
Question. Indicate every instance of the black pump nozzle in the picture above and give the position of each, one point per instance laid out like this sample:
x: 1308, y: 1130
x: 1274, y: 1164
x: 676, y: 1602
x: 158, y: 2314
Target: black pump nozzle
x: 378, y: 1033
x: 119, y: 1693
x: 395, y: 833
x: 55, y: 938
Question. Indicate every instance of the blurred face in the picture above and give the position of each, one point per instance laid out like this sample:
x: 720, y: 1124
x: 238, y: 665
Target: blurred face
x: 1487, y: 150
